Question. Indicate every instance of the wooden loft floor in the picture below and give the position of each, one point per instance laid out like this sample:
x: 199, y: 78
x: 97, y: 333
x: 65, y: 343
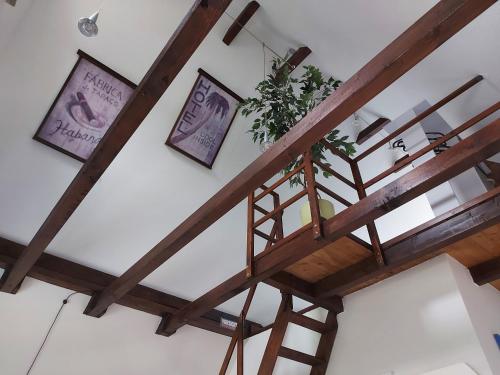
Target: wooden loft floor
x: 471, y: 251
x: 478, y: 249
x: 332, y: 258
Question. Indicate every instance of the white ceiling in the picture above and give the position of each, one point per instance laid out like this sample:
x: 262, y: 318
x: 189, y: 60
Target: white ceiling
x: 150, y: 189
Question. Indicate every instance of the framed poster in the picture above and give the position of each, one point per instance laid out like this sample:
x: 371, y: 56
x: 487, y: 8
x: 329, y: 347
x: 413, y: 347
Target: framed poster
x: 204, y: 120
x: 85, y: 108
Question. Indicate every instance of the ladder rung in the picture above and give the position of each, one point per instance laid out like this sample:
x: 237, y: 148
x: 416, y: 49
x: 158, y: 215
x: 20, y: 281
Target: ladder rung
x: 307, y: 322
x: 297, y: 356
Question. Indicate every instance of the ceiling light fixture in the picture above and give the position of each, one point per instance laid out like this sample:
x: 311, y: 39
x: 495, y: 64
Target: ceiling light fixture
x: 357, y: 124
x: 88, y: 25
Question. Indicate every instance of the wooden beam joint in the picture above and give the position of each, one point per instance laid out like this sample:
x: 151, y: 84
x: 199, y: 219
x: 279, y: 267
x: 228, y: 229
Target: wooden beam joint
x: 90, y: 308
x: 4, y: 278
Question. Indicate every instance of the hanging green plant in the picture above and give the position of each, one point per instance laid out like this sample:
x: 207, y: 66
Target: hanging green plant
x: 282, y: 101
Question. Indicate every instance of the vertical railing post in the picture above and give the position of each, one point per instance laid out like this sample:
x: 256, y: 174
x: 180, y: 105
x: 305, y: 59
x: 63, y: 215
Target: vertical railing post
x: 250, y: 234
x: 278, y: 220
x: 238, y: 337
x: 312, y: 194
x: 239, y: 349
x: 372, y: 229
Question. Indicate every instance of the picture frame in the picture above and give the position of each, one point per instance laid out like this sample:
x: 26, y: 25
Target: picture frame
x: 205, y: 120
x: 86, y: 106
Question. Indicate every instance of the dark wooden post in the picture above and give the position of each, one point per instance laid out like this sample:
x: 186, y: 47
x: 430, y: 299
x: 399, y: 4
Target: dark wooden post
x: 326, y: 342
x: 240, y: 22
x: 250, y: 234
x: 278, y: 219
x: 238, y: 337
x: 372, y: 229
x: 229, y: 353
x: 239, y: 355
x: 312, y: 194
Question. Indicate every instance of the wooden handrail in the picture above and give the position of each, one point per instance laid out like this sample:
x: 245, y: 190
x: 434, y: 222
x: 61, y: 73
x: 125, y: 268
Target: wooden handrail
x: 473, y: 121
x: 279, y: 182
x: 336, y: 152
x: 420, y: 117
x: 335, y: 196
x: 273, y: 193
x: 282, y: 206
x: 326, y: 168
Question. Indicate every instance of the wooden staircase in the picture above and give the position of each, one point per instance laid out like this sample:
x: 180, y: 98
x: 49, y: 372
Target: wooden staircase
x: 275, y: 348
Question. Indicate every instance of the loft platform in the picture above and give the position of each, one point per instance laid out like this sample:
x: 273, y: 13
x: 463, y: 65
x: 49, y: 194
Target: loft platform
x: 330, y: 259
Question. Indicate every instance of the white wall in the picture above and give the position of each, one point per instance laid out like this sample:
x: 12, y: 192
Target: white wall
x: 120, y: 343
x: 411, y: 323
x: 483, y: 306
x: 10, y: 17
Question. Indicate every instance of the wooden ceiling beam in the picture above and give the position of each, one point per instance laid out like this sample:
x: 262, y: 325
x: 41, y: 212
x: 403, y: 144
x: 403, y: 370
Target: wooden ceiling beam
x: 429, y: 240
x: 192, y: 31
x: 296, y: 59
x: 73, y: 276
x: 371, y: 130
x: 486, y: 272
x: 425, y: 177
x: 428, y: 33
x: 240, y: 22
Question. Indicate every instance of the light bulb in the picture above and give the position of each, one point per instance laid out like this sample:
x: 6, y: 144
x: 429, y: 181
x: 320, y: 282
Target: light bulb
x: 266, y: 143
x: 264, y: 146
x: 88, y: 25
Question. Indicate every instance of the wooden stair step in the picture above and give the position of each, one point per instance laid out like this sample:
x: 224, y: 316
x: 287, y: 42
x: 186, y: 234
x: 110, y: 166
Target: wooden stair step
x: 297, y: 356
x: 307, y: 322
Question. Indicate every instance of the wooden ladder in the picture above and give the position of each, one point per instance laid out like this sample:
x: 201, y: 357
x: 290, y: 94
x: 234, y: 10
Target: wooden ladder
x: 275, y: 348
